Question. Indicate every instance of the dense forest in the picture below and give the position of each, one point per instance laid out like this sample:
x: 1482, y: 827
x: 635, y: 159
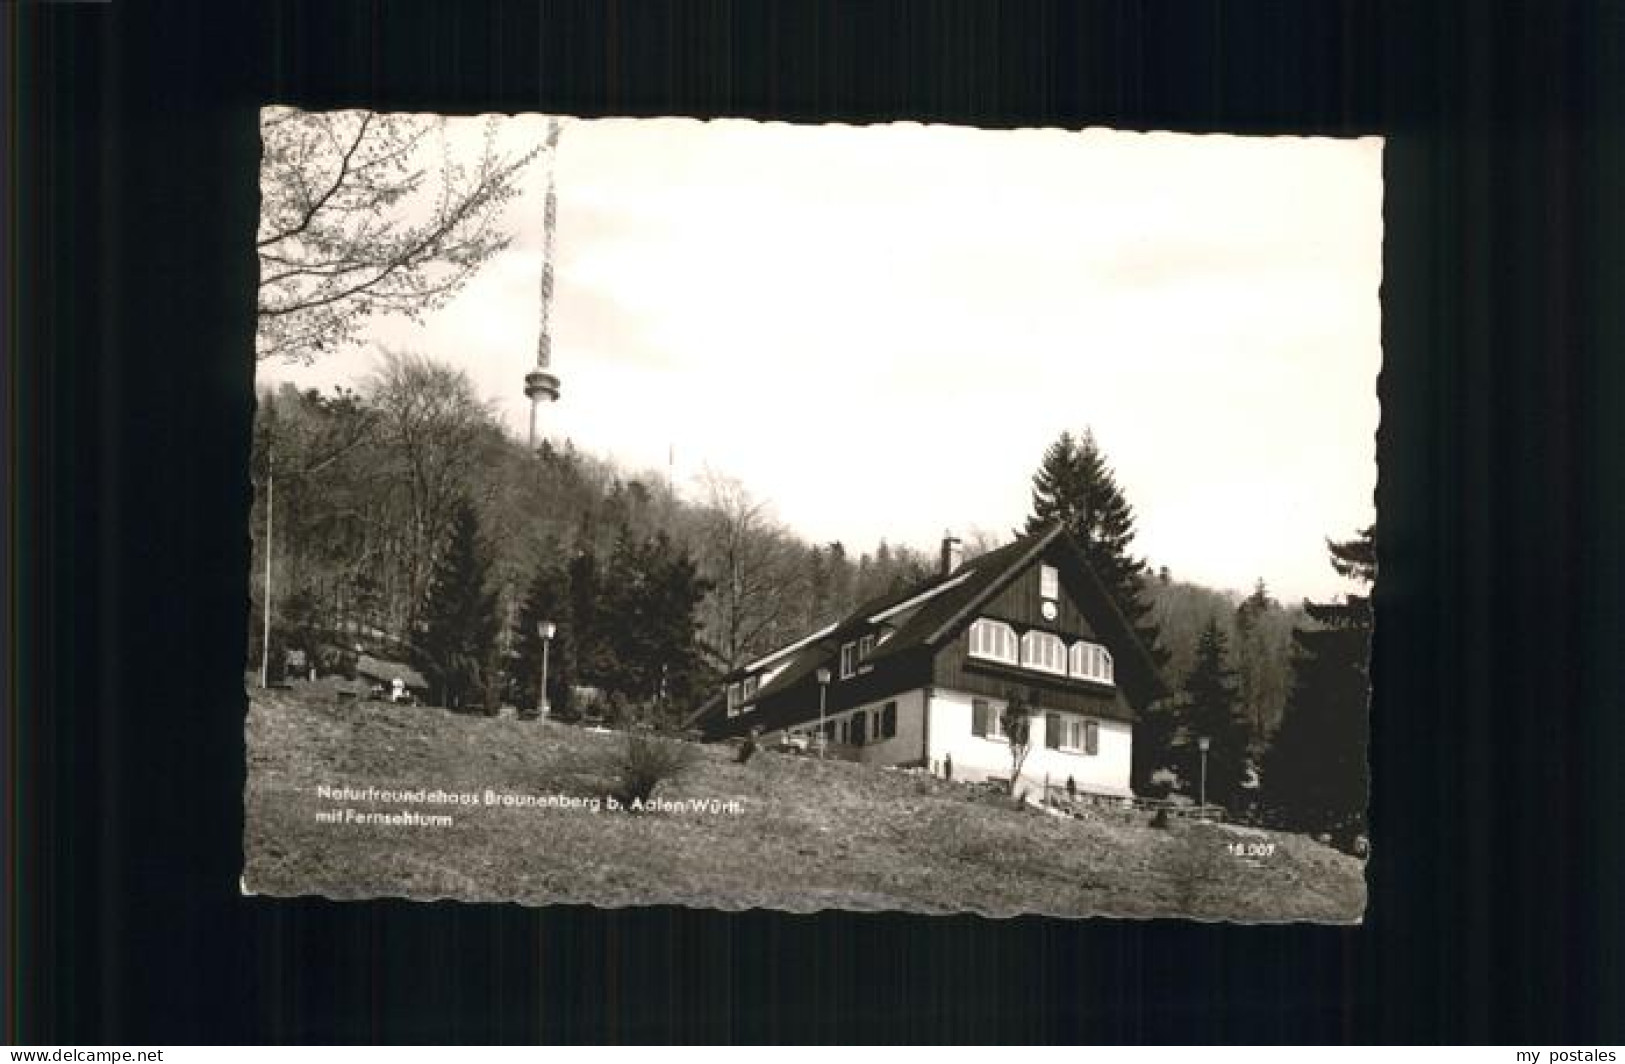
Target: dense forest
x: 405, y: 523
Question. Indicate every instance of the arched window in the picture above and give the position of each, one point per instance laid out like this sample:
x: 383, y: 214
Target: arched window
x: 1090, y: 661
x: 995, y: 640
x: 1045, y: 651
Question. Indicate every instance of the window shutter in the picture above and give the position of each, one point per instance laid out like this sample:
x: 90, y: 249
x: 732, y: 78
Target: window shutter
x: 978, y: 717
x: 1091, y: 737
x: 888, y: 720
x: 1052, y: 730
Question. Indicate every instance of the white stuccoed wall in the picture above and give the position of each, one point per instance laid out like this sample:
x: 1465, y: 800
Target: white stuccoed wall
x: 977, y: 758
x: 901, y: 749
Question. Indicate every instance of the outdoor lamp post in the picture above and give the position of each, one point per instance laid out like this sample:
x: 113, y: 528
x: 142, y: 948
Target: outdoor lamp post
x: 546, y: 630
x: 1202, y: 744
x: 270, y: 503
x: 823, y: 687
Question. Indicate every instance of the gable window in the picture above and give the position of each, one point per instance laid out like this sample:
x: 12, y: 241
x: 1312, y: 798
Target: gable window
x: 849, y: 660
x: 995, y: 641
x: 866, y: 646
x: 1049, y: 582
x: 1044, y: 651
x: 1090, y: 661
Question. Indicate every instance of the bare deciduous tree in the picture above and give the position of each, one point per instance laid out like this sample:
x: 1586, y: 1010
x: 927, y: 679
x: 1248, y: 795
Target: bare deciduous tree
x: 429, y: 420
x: 363, y: 213
x: 755, y: 568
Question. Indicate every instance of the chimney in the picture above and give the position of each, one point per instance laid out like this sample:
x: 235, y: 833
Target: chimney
x: 953, y: 553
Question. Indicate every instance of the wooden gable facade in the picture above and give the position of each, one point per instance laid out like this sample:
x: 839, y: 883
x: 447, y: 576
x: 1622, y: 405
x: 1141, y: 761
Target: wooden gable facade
x: 1080, y: 614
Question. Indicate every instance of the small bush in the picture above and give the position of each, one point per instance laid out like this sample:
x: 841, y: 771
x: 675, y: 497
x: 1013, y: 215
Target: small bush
x: 648, y: 761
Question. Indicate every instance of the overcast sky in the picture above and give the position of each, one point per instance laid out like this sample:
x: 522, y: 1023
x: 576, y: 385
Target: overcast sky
x: 880, y: 328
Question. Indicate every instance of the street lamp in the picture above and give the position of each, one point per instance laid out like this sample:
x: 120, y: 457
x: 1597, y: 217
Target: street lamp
x: 270, y: 503
x: 546, y: 629
x: 1202, y: 743
x: 823, y: 687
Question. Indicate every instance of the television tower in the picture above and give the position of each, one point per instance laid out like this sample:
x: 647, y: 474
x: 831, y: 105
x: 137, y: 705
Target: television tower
x: 541, y: 383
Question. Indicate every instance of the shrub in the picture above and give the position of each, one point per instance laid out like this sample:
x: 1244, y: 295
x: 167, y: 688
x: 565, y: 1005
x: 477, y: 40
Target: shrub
x: 648, y: 761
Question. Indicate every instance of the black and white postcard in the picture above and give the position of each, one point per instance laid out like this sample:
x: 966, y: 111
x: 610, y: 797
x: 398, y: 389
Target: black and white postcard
x: 733, y: 514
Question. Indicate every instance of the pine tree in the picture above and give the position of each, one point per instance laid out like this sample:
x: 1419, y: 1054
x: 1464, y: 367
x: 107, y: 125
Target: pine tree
x: 1212, y: 711
x: 455, y: 647
x: 653, y: 646
x: 1076, y: 486
x: 1314, y: 774
x: 842, y: 596
x: 1261, y: 652
x: 1153, y: 749
x: 818, y: 588
x: 590, y: 657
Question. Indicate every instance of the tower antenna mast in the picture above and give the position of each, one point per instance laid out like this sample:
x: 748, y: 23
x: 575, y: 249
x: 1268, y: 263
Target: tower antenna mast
x: 541, y: 383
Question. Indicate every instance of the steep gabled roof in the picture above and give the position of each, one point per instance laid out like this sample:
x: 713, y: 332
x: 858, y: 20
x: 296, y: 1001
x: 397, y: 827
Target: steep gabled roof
x: 936, y: 610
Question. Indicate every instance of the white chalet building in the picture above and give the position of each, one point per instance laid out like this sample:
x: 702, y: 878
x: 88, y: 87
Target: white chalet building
x: 922, y: 678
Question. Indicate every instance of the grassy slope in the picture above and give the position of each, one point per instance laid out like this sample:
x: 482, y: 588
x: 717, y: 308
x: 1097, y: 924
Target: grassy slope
x: 813, y: 834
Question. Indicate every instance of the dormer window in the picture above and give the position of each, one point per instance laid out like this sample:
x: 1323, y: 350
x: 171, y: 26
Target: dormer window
x: 1044, y: 651
x: 995, y: 641
x: 866, y: 646
x: 1090, y: 661
x: 749, y: 687
x: 849, y: 660
x: 734, y: 698
x: 1049, y: 583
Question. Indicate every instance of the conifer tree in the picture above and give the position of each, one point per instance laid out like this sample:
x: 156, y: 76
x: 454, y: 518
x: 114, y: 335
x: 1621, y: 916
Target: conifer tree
x: 1076, y: 486
x: 1212, y: 710
x: 817, y: 587
x: 1155, y: 730
x: 655, y: 640
x: 589, y: 654
x: 455, y: 645
x: 1261, y: 650
x: 1314, y: 774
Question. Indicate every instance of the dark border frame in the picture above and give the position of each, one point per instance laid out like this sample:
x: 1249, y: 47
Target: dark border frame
x: 1496, y: 732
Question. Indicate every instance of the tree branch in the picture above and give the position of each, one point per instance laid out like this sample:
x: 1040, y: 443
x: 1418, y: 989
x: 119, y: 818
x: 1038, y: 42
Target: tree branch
x: 338, y: 183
